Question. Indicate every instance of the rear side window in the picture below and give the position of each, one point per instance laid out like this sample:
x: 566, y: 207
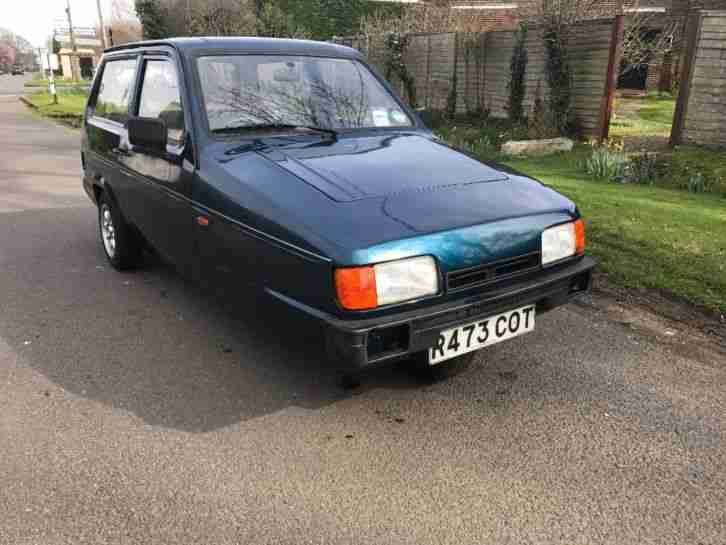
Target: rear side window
x: 160, y: 98
x: 114, y: 94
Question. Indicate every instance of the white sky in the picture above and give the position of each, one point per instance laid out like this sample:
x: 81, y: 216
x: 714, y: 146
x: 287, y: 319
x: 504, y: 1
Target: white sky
x: 34, y: 20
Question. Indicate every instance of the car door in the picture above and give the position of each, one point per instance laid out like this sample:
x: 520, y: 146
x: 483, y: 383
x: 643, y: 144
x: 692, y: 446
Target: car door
x: 230, y: 254
x: 160, y: 198
x: 105, y: 127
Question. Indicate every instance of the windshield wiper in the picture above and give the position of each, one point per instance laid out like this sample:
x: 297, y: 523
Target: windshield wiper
x: 274, y: 126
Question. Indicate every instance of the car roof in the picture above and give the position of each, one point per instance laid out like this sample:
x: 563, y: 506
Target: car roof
x: 188, y: 46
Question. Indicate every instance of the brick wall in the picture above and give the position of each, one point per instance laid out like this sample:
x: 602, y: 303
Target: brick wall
x: 494, y: 10
x: 682, y: 6
x: 705, y: 110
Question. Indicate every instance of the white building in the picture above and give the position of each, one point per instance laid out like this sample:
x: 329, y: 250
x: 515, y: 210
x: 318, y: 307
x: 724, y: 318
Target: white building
x: 89, y: 49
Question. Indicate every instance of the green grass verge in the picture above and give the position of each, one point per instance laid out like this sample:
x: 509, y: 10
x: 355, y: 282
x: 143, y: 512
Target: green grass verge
x: 43, y: 83
x: 71, y: 103
x: 644, y: 236
x: 651, y: 116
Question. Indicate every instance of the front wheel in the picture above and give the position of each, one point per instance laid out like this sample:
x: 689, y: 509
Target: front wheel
x: 120, y: 243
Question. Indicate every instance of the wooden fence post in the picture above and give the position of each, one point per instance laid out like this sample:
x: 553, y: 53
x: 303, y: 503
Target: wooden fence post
x: 688, y: 65
x: 611, y: 83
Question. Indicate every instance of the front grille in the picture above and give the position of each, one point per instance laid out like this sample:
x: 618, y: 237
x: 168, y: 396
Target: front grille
x: 493, y: 273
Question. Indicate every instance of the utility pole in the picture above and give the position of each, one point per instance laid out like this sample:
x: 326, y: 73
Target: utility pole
x: 51, y: 77
x: 100, y: 23
x: 74, y: 50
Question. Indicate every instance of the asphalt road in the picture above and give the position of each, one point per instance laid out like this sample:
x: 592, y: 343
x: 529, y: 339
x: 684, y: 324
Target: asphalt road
x: 13, y: 85
x: 136, y: 409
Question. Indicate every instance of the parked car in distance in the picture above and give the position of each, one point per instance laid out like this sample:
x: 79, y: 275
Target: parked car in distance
x: 17, y: 70
x: 291, y: 167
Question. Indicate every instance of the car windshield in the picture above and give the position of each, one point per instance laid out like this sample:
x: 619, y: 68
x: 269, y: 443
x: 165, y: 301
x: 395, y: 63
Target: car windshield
x: 255, y: 91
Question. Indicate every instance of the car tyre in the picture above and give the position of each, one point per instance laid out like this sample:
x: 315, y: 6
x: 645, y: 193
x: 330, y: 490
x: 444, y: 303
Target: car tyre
x: 350, y: 380
x: 443, y: 371
x: 121, y: 244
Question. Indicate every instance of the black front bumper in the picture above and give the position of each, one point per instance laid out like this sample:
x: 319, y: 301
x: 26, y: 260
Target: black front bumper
x: 352, y: 340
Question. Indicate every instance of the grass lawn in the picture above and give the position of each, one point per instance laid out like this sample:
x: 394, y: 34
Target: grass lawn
x: 644, y: 236
x: 69, y: 109
x: 686, y: 161
x: 58, y: 83
x: 651, y: 116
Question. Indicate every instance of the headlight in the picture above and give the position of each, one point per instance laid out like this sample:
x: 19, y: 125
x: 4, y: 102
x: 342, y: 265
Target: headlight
x: 361, y: 288
x: 563, y: 241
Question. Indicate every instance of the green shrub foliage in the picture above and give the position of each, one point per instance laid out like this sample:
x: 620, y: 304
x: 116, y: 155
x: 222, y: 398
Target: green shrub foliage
x: 152, y: 16
x: 642, y: 169
x: 396, y: 45
x: 518, y: 70
x: 327, y: 18
x: 559, y: 79
x: 606, y: 162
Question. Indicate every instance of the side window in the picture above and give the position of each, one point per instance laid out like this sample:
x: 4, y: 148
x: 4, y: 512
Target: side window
x: 160, y: 98
x: 114, y: 93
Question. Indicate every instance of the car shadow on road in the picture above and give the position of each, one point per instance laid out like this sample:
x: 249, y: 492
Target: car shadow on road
x: 149, y: 342
x: 152, y: 344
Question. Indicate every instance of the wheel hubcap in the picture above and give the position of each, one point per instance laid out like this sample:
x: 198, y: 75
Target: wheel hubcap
x: 108, y: 231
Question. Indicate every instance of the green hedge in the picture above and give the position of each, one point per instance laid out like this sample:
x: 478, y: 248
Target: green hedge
x: 328, y: 18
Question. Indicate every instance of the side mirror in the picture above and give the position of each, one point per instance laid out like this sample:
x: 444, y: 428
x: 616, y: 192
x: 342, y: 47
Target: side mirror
x: 426, y: 116
x: 147, y: 132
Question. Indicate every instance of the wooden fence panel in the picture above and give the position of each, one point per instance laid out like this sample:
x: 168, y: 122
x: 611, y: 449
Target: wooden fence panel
x: 442, y: 51
x: 479, y: 66
x: 701, y: 111
x: 591, y: 48
x: 535, y: 78
x: 499, y: 49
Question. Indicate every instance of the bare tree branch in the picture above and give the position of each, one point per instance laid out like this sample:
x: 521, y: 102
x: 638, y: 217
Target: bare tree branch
x: 648, y: 37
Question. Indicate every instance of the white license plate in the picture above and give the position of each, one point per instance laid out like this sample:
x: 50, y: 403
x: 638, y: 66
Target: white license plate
x: 467, y: 338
